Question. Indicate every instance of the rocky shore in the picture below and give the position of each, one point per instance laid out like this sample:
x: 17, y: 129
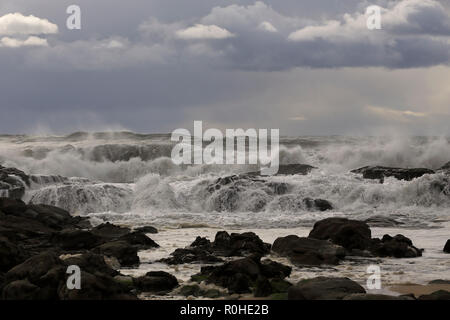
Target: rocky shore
x: 39, y: 242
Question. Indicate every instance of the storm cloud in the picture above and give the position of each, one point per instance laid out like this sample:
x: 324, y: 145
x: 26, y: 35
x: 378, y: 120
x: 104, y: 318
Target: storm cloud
x: 157, y: 65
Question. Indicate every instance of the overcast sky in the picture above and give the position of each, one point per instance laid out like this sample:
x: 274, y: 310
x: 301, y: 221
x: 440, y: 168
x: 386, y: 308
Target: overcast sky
x: 306, y: 67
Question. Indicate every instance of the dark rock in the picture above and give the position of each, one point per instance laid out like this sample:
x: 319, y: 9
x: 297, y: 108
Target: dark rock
x: 290, y: 169
x: 147, y: 229
x: 365, y: 296
x: 351, y: 234
x: 307, y: 251
x: 324, y: 288
x: 156, y: 281
x: 239, y: 244
x: 90, y: 262
x: 238, y: 276
x: 437, y: 295
x: 280, y: 285
x: 317, y: 204
x: 191, y: 290
x: 262, y: 287
x: 201, y: 242
x: 20, y: 290
x: 191, y: 255
x: 73, y: 239
x: 379, y: 172
x: 447, y: 246
x: 273, y: 269
x: 123, y: 251
x: 10, y: 254
x: 96, y: 286
x: 13, y: 182
x: 439, y: 281
x: 110, y: 231
x: 140, y: 240
x: 398, y: 247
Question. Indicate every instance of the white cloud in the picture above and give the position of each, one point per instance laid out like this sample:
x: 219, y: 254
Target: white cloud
x: 201, y: 31
x: 18, y: 24
x: 267, y: 26
x: 17, y: 43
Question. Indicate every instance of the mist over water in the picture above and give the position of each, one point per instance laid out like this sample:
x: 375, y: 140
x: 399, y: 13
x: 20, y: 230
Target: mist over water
x: 130, y: 177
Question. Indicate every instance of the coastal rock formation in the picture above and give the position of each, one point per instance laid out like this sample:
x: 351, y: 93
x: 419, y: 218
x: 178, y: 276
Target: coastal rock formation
x: 351, y: 234
x: 447, y: 246
x: 13, y: 182
x: 204, y: 251
x: 437, y: 295
x: 355, y: 237
x: 379, y: 172
x: 156, y: 282
x: 290, y: 169
x: 398, y: 246
x: 308, y: 251
x: 324, y: 288
x: 240, y: 276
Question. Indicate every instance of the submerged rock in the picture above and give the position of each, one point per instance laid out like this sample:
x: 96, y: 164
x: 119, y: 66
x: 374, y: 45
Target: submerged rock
x: 123, y: 251
x: 308, y: 251
x: 379, y: 172
x: 324, y: 288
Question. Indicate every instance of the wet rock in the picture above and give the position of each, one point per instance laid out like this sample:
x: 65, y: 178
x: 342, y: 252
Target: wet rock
x: 290, y: 169
x: 239, y: 276
x: 437, y: 295
x: 156, y: 281
x: 201, y: 242
x: 317, y: 204
x: 324, y: 288
x: 273, y: 269
x: 109, y: 231
x: 308, y: 251
x: 123, y: 251
x: 398, y: 247
x: 447, y: 246
x: 10, y: 254
x: 239, y: 244
x: 13, y: 182
x: 379, y: 172
x: 90, y: 262
x: 20, y: 290
x: 439, y: 281
x: 351, y: 234
x: 147, y: 229
x: 73, y: 239
x: 139, y: 240
x: 191, y: 255
x: 97, y: 287
x: 262, y: 287
x: 365, y: 296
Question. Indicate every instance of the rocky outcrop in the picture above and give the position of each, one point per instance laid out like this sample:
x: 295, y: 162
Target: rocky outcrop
x: 447, y: 246
x: 379, y: 172
x: 398, y: 246
x: 244, y: 275
x: 437, y: 295
x: 351, y: 234
x: 13, y: 182
x: 308, y: 251
x: 324, y: 288
x: 290, y: 169
x: 156, y: 282
x: 355, y: 237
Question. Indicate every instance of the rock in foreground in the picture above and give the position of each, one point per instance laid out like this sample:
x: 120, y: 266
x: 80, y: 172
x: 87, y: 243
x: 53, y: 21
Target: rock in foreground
x: 324, y: 288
